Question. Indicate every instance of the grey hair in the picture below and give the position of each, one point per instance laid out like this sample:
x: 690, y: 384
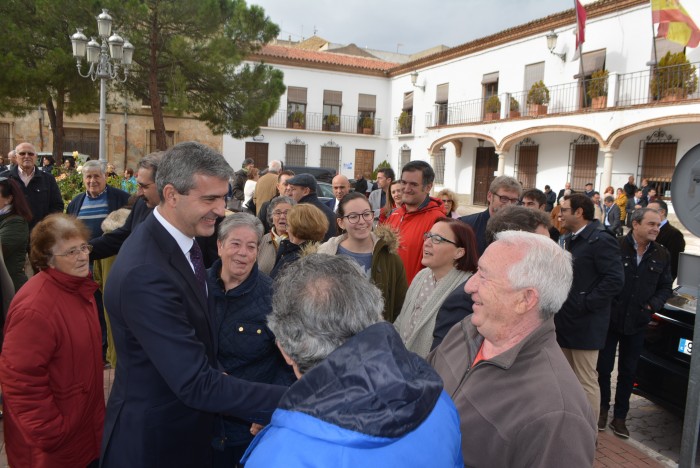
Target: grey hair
x: 274, y: 166
x: 609, y: 199
x: 93, y: 164
x: 239, y: 220
x: 541, y: 255
x: 183, y: 161
x: 319, y: 302
x: 151, y: 162
x: 638, y: 215
x: 507, y: 183
x: 276, y: 201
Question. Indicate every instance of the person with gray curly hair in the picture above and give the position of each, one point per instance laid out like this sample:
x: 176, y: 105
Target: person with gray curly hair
x: 503, y: 345
x: 277, y: 218
x: 362, y: 398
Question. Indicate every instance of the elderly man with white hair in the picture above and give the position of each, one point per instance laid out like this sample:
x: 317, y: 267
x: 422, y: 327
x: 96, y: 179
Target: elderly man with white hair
x: 98, y: 200
x: 519, y: 402
x: 362, y: 398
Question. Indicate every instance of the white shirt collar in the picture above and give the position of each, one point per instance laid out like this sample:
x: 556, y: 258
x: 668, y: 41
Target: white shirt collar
x: 183, y: 241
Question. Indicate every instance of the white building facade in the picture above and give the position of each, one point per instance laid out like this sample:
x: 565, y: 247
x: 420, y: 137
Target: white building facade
x: 445, y: 113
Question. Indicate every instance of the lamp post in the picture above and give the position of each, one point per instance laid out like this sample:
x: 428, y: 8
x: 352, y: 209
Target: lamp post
x: 105, y: 61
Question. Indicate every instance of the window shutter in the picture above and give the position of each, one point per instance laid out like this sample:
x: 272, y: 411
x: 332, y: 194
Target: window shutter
x: 297, y: 95
x: 533, y: 73
x: 332, y: 98
x: 407, y: 101
x: 367, y: 102
x: 593, y: 61
x: 442, y: 92
x: 490, y: 78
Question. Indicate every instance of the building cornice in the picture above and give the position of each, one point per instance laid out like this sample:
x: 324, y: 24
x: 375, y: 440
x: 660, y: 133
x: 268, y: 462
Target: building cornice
x: 306, y: 63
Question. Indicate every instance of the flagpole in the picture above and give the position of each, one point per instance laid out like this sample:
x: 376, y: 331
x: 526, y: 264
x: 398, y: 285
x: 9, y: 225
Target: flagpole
x: 581, y: 77
x: 653, y: 67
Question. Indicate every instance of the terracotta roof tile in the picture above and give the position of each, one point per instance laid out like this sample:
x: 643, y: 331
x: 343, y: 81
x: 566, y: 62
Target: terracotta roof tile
x: 302, y: 55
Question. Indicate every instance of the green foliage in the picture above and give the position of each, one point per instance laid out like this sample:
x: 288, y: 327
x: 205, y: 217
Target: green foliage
x: 514, y: 104
x: 367, y: 122
x: 673, y: 75
x: 332, y: 119
x: 493, y: 105
x: 190, y: 55
x: 381, y: 165
x: 298, y: 117
x: 538, y: 94
x: 598, y: 84
x: 405, y: 121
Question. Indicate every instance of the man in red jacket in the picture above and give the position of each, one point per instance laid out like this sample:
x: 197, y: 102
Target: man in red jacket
x: 417, y: 214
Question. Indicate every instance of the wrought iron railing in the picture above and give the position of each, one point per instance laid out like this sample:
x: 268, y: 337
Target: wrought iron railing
x: 658, y: 84
x: 405, y: 129
x: 315, y: 121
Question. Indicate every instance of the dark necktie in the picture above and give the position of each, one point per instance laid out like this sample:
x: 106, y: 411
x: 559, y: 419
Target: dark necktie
x: 199, y: 271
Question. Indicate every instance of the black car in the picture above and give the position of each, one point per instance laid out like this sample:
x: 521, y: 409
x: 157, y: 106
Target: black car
x: 322, y: 174
x: 662, y: 373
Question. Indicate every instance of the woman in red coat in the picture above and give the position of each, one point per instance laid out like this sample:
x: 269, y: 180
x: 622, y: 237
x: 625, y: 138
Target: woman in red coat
x: 51, y: 361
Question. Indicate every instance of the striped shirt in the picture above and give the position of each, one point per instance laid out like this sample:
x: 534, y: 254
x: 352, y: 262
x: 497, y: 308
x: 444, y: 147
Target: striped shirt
x: 93, y: 212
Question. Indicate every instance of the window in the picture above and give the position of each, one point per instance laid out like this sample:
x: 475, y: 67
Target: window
x: 437, y: 160
x: 526, y: 153
x: 5, y: 140
x: 257, y: 152
x: 658, y: 155
x: 592, y: 61
x: 295, y: 154
x: 296, y: 107
x: 583, y: 159
x: 82, y: 140
x: 441, y: 94
x: 169, y: 140
x: 489, y: 84
x: 366, y: 109
x: 662, y: 46
x: 330, y: 156
x: 332, y: 105
x: 533, y: 73
x: 405, y: 155
x: 404, y: 123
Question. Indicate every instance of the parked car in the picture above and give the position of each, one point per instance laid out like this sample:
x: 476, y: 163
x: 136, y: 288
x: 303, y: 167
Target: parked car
x: 664, y: 365
x: 325, y: 191
x: 322, y: 174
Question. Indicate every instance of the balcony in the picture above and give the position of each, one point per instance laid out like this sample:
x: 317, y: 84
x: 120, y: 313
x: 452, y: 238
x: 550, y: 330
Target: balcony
x: 662, y: 85
x: 406, y: 127
x: 317, y: 122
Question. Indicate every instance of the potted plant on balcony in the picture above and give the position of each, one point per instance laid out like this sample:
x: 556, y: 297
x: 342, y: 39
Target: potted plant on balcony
x: 367, y: 125
x: 332, y: 122
x: 514, y: 108
x: 537, y: 99
x: 492, y: 108
x: 405, y: 123
x: 297, y: 119
x: 674, y: 78
x: 598, y: 89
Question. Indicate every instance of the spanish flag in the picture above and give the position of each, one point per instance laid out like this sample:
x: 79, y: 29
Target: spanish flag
x: 675, y: 24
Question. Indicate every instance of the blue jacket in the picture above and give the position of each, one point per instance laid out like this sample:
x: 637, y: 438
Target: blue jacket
x: 246, y: 347
x: 369, y: 403
x: 478, y: 221
x: 115, y: 199
x: 42, y: 194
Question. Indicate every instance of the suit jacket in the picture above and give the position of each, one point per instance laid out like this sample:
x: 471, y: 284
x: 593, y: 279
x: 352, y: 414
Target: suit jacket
x: 42, y: 194
x: 109, y: 244
x: 167, y: 391
x: 331, y: 203
x: 613, y: 219
x: 671, y: 238
x: 478, y: 221
x: 561, y: 194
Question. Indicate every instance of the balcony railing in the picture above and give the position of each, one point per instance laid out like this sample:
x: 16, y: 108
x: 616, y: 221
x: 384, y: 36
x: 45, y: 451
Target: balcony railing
x: 315, y: 121
x: 661, y: 84
x: 406, y: 129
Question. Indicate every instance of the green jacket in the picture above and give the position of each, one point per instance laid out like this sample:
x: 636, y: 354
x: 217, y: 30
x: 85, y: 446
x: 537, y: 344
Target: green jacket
x: 14, y: 235
x: 387, y: 273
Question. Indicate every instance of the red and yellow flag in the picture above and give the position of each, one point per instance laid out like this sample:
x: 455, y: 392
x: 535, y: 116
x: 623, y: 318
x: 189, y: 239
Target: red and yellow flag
x: 675, y: 24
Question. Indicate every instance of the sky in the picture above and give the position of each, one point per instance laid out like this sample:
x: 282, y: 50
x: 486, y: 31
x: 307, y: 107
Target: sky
x: 408, y: 26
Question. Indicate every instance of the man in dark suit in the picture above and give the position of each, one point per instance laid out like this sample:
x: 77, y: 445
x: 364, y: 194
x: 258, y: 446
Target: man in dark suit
x: 567, y: 186
x: 303, y: 188
x: 611, y: 217
x: 669, y: 236
x: 635, y: 203
x: 167, y: 390
x: 341, y: 187
x: 582, y: 323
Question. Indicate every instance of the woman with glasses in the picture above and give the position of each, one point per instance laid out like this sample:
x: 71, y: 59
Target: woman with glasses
x: 276, y: 217
x: 449, y: 199
x: 306, y: 225
x: 450, y: 256
x: 15, y: 216
x: 375, y: 252
x: 51, y: 362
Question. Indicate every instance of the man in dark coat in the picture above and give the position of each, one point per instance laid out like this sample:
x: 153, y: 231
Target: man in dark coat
x: 629, y: 187
x: 567, y: 186
x: 40, y: 188
x: 239, y: 180
x: 167, y: 387
x: 648, y: 285
x: 669, y: 235
x: 611, y: 216
x: 302, y: 188
x: 551, y: 198
x: 582, y: 322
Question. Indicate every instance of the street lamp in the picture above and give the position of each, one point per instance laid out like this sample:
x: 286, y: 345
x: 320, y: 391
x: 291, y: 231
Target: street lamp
x: 105, y: 61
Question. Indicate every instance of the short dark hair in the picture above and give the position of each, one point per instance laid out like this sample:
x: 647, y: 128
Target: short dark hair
x: 537, y: 195
x: 20, y: 207
x: 464, y: 238
x: 248, y: 161
x: 515, y: 218
x: 662, y: 205
x: 638, y: 215
x: 579, y: 200
x: 388, y: 172
x: 422, y: 166
x: 286, y: 172
x: 547, y: 187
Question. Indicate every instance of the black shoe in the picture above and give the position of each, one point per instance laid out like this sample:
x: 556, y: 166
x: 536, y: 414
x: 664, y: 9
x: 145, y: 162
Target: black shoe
x: 602, y: 419
x: 619, y: 428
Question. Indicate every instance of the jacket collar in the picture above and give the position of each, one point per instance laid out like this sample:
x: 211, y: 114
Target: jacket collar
x: 84, y: 286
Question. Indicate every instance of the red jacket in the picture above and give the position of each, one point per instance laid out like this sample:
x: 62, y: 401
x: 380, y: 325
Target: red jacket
x: 51, y: 373
x: 411, y: 226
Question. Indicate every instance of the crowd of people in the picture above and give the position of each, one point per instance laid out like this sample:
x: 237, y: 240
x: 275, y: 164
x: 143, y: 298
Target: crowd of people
x: 250, y: 323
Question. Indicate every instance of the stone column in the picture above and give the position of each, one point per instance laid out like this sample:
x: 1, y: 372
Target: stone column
x: 501, y: 162
x: 606, y: 180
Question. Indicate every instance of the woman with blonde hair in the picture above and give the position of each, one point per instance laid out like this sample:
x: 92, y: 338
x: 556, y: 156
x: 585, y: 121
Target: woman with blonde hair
x: 621, y: 201
x: 449, y: 199
x: 306, y: 225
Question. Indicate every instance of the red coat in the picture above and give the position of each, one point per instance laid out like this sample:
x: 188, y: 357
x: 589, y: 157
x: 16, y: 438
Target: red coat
x: 411, y: 226
x: 51, y: 373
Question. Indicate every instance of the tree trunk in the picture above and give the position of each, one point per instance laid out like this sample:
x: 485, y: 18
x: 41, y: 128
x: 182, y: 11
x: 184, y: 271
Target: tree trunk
x: 56, y: 120
x: 156, y: 108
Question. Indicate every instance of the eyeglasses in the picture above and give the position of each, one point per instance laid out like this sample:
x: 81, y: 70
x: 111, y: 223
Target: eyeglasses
x: 506, y: 200
x: 280, y: 213
x: 354, y: 218
x: 26, y: 153
x: 437, y: 239
x: 75, y: 251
